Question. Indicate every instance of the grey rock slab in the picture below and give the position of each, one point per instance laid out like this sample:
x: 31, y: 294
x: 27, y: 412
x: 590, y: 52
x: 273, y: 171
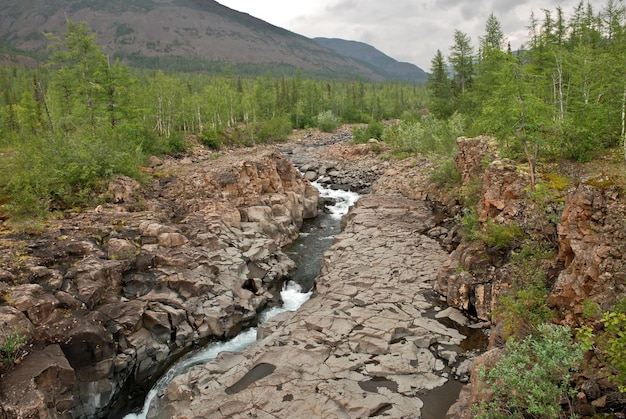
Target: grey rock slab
x: 360, y: 347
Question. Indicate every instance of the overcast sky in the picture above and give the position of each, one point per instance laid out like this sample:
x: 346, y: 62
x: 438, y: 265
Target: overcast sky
x: 406, y: 30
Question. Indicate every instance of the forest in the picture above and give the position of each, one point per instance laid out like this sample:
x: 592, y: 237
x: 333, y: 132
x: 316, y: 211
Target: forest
x: 558, y: 101
x: 563, y: 95
x: 80, y: 118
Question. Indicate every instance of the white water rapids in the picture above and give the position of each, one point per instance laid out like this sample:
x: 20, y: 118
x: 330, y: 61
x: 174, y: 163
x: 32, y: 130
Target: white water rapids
x: 291, y: 295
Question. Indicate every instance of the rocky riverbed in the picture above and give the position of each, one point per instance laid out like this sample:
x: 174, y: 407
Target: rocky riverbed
x: 109, y: 297
x: 363, y: 346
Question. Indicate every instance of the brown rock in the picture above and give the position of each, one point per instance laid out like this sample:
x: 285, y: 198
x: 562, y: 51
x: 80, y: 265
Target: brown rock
x: 472, y: 155
x: 39, y: 387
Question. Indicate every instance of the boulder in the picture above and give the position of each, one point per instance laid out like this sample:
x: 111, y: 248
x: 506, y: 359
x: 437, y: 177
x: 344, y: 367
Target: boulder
x: 41, y: 387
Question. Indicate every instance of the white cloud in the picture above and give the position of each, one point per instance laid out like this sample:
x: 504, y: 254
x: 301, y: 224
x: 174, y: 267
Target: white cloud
x: 407, y: 30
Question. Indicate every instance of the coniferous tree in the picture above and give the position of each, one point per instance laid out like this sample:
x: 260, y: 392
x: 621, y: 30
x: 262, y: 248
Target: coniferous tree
x: 439, y: 87
x: 462, y: 61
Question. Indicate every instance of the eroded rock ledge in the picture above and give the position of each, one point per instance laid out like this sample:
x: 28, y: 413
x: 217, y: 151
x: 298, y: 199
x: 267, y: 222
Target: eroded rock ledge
x: 110, y: 297
x: 361, y: 347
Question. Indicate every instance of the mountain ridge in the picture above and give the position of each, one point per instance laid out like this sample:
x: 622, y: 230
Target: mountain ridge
x: 148, y: 33
x: 371, y: 56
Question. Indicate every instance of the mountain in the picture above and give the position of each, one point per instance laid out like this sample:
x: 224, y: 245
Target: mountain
x: 373, y: 58
x: 176, y: 34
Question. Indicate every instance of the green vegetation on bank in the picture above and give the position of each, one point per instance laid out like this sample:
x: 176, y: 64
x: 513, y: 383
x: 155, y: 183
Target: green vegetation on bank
x: 561, y: 97
x: 70, y: 125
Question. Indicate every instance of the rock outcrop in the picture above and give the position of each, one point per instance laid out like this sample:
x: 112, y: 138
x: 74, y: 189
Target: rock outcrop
x: 362, y: 346
x: 108, y: 298
x: 592, y: 249
x: 338, y: 165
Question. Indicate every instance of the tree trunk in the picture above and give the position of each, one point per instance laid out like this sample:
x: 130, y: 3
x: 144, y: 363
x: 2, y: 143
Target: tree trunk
x: 42, y: 98
x: 624, y: 120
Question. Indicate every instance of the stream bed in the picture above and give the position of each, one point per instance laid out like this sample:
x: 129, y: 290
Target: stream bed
x: 307, y: 250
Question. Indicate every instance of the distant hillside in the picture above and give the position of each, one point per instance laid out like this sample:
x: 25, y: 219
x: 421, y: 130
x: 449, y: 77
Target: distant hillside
x: 178, y: 34
x: 373, y: 58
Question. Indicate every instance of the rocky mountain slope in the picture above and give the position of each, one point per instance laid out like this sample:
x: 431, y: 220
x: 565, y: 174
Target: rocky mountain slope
x: 370, y: 56
x: 185, y: 34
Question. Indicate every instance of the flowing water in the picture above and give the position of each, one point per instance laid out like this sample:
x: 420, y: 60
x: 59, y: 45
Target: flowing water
x: 307, y: 251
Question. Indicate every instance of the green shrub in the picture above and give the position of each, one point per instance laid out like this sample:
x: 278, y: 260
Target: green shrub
x: 359, y: 135
x: 327, y: 121
x: 176, y: 143
x: 609, y: 343
x: 446, y: 174
x: 523, y: 307
x: 590, y: 309
x: 501, y: 236
x: 362, y: 135
x: 276, y: 129
x: 470, y: 224
x: 426, y: 136
x: 11, y: 346
x: 532, y: 375
x: 58, y: 172
x: 211, y: 138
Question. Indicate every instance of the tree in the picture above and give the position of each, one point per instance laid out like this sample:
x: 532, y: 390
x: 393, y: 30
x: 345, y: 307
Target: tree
x: 462, y: 61
x: 89, y: 88
x: 439, y: 87
x: 493, y: 39
x: 492, y: 60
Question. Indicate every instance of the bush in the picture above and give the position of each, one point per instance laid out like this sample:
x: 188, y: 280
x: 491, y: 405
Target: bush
x: 327, y: 121
x: 11, y: 346
x: 609, y: 343
x: 362, y: 135
x: 176, y: 143
x: 276, y: 129
x: 470, y: 224
x: 501, y: 236
x: 426, y: 136
x: 211, y: 138
x: 446, y: 174
x: 531, y: 376
x: 58, y: 172
x: 523, y: 308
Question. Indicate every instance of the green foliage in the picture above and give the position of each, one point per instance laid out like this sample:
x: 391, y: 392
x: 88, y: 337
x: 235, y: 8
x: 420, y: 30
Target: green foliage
x: 613, y: 343
x: 211, y: 138
x: 445, y: 174
x: 440, y: 88
x: 532, y: 375
x: 276, y: 129
x: 361, y: 135
x: 69, y: 127
x: 501, y: 236
x: 470, y: 193
x: 327, y: 121
x: 49, y: 173
x: 609, y: 343
x: 470, y: 224
x: 523, y: 307
x: 590, y: 309
x: 176, y: 143
x: 10, y: 348
x: 560, y: 97
x: 428, y: 136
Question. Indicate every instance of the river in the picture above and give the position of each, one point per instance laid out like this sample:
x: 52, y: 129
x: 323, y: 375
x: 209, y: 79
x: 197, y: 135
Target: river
x: 307, y: 251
